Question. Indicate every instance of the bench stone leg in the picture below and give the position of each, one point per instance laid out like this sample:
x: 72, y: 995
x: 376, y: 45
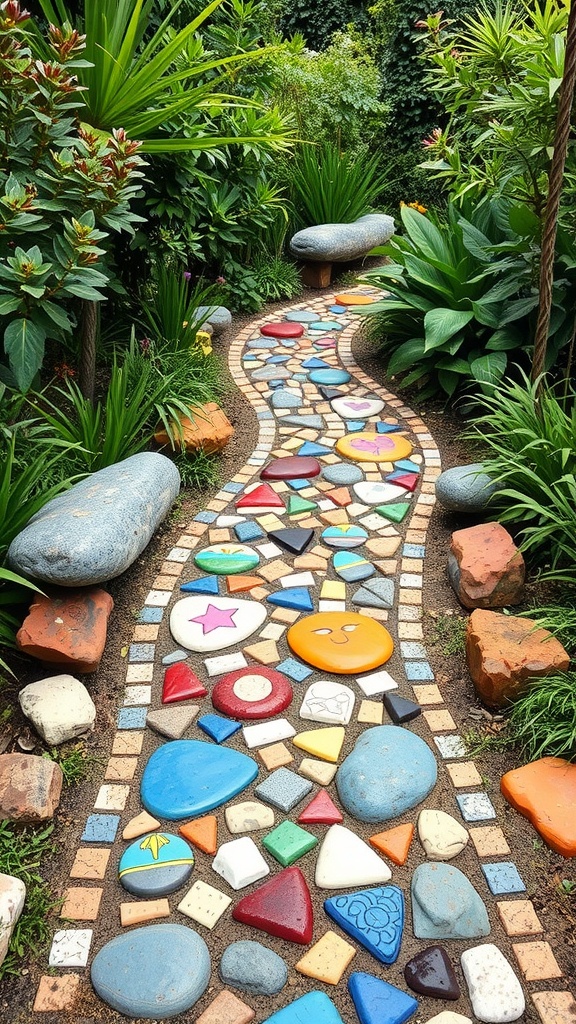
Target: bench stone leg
x: 316, y: 274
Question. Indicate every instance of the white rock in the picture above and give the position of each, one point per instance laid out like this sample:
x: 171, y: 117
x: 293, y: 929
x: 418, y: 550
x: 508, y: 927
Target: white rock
x: 374, y: 493
x: 328, y: 702
x: 495, y: 992
x: 12, y: 896
x: 60, y: 708
x: 345, y: 861
x: 357, y: 408
x: 298, y: 579
x: 225, y: 663
x: 225, y: 521
x: 240, y: 863
x: 449, y: 1017
x: 204, y: 903
x: 205, y: 623
x: 441, y: 835
x: 248, y: 816
x: 376, y: 683
x: 267, y: 732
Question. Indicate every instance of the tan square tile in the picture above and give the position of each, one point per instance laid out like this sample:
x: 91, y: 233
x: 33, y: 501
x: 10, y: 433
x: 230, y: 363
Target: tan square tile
x: 219, y: 535
x: 172, y: 568
x: 555, y: 1007
x: 259, y: 593
x: 427, y: 693
x: 371, y: 712
x: 196, y: 529
x: 275, y: 756
x: 164, y: 582
x: 464, y: 775
x: 310, y: 562
x: 121, y: 769
x: 144, y: 910
x: 269, y: 521
x: 380, y: 614
x: 126, y: 743
x: 411, y: 631
x: 537, y: 961
x: 333, y: 590
x: 286, y: 615
x: 439, y: 721
x: 518, y: 917
x: 383, y: 547
x: 309, y: 523
x: 336, y: 517
x: 327, y: 959
x: 266, y: 652
x: 489, y: 841
x: 143, y: 634
x: 274, y: 570
x: 410, y: 596
x: 81, y: 904
x: 226, y: 1009
x: 322, y: 552
x: 54, y: 994
x: 90, y: 863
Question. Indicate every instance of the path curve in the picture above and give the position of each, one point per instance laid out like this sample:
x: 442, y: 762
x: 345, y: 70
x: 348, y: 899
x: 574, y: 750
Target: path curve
x: 397, y: 549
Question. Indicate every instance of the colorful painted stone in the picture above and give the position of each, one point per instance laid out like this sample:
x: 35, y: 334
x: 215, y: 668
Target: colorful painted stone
x: 377, y: 1002
x: 355, y: 426
x: 328, y: 702
x: 401, y: 709
x: 312, y: 448
x: 430, y: 973
x: 342, y: 642
x: 388, y: 428
x: 286, y: 398
x: 202, y: 833
x: 325, y: 325
x: 217, y: 728
x: 261, y: 497
x: 378, y: 593
x: 373, y: 447
x: 154, y: 972
x: 396, y: 513
x: 374, y: 917
x: 292, y: 466
x: 301, y: 316
x: 227, y: 559
x: 409, y: 481
x: 282, y: 907
x: 251, y: 693
x: 315, y: 364
x: 181, y: 683
x: 394, y: 843
x: 155, y: 865
x: 323, y: 743
x: 205, y: 585
x: 293, y: 539
x: 252, y: 967
x: 282, y: 329
x: 374, y: 493
x: 283, y: 789
x: 389, y: 771
x: 545, y: 793
x: 288, y: 842
x: 187, y: 778
x: 297, y: 598
x: 240, y: 584
x: 314, y: 421
x: 355, y: 299
x: 342, y: 474
x: 357, y: 407
x: 314, y: 1006
x: 240, y: 863
x: 445, y: 904
x: 347, y: 535
x: 346, y: 861
x: 297, y: 505
x: 213, y: 623
x: 352, y: 568
x: 330, y: 377
x: 321, y: 811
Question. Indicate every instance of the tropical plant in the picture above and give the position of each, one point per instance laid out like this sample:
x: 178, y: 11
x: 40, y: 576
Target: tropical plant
x: 530, y: 437
x: 543, y: 720
x: 461, y: 292
x: 276, y: 277
x: 331, y: 187
x: 170, y: 313
x: 319, y: 23
x: 559, y: 619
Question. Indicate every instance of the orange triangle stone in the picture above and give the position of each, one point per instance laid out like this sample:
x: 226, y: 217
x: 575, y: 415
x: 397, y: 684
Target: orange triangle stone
x: 236, y: 584
x: 340, y: 496
x: 394, y: 843
x: 202, y: 833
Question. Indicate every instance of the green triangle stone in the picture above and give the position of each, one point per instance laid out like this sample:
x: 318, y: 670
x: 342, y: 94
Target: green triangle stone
x: 297, y: 504
x: 394, y: 512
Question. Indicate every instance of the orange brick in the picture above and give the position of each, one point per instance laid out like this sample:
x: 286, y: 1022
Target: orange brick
x: 55, y: 994
x: 81, y: 904
x: 537, y: 961
x: 90, y: 863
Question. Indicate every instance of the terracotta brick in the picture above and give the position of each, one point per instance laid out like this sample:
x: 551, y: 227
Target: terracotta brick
x: 144, y: 910
x: 81, y: 904
x: 90, y: 863
x: 489, y: 841
x: 54, y: 994
x: 537, y: 961
x: 555, y: 1007
x: 518, y: 917
x: 127, y: 743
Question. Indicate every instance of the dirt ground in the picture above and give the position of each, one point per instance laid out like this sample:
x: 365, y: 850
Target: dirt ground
x: 542, y: 870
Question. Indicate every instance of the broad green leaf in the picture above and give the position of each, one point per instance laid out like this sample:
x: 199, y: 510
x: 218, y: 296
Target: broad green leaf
x: 524, y: 221
x: 504, y: 341
x: 24, y: 346
x: 448, y: 381
x: 406, y: 355
x: 489, y: 369
x: 8, y: 303
x: 425, y: 235
x: 442, y: 324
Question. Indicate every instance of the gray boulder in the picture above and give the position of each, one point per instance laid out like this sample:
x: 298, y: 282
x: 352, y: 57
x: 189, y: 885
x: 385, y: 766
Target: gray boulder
x: 337, y: 243
x: 465, y: 488
x: 218, y: 317
x: 94, y: 531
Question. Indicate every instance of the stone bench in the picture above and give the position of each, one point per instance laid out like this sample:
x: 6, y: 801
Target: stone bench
x: 324, y: 244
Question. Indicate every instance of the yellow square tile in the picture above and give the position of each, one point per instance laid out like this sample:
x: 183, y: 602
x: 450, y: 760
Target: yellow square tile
x: 327, y: 959
x: 371, y: 712
x: 333, y: 590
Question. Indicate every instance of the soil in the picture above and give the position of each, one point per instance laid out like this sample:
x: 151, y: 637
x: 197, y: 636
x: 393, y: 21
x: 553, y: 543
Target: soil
x: 542, y: 870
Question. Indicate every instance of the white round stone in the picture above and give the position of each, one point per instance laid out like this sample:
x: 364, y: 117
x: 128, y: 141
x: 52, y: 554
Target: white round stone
x: 60, y: 708
x: 248, y: 816
x: 252, y: 688
x: 328, y: 702
x: 357, y: 408
x: 206, y: 623
x: 441, y: 835
x: 495, y: 992
x: 377, y: 493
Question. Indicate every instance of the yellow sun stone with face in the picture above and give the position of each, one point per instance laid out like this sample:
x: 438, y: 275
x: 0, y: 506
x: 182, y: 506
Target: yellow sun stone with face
x: 341, y: 642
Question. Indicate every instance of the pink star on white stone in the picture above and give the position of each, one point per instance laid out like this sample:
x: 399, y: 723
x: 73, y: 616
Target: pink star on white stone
x: 214, y: 618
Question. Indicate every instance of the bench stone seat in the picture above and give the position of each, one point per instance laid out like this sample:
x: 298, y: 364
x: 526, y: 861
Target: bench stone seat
x: 339, y: 243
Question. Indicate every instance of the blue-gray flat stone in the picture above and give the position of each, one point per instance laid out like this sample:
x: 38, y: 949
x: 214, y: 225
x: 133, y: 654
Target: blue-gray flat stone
x: 252, y: 967
x: 271, y: 373
x: 286, y: 398
x: 465, y: 488
x: 342, y: 473
x: 94, y: 531
x: 445, y: 905
x: 314, y: 421
x: 187, y: 778
x: 218, y: 316
x: 153, y: 972
x: 389, y: 771
x: 342, y: 242
x: 301, y: 316
x: 378, y: 593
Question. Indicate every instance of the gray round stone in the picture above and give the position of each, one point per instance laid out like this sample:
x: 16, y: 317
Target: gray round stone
x: 94, y: 531
x: 342, y: 242
x: 153, y: 972
x: 342, y: 474
x: 286, y: 398
x: 465, y: 488
x: 445, y: 904
x: 252, y: 967
x: 217, y: 316
x: 302, y: 316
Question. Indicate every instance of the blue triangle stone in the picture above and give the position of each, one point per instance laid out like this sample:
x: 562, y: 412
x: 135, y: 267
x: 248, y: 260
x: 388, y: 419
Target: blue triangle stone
x: 354, y: 425
x: 205, y: 585
x: 407, y: 465
x: 387, y: 428
x: 374, y: 917
x: 316, y: 364
x: 311, y: 448
x: 217, y: 728
x: 313, y: 1008
x: 297, y: 598
x: 377, y: 1002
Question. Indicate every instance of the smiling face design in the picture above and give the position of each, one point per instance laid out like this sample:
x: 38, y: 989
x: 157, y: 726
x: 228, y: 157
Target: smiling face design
x: 341, y: 642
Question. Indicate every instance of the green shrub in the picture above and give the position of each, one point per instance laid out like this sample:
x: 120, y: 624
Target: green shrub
x: 332, y: 187
x: 543, y: 720
x: 170, y: 313
x: 276, y: 278
x: 319, y: 22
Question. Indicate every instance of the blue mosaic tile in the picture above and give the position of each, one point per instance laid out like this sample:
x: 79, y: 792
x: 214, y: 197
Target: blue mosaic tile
x: 503, y: 878
x: 298, y: 485
x: 248, y: 531
x: 337, y: 309
x: 314, y: 363
x: 204, y: 585
x: 412, y: 649
x: 353, y: 426
x: 249, y: 357
x: 218, y: 728
x: 413, y: 551
x: 283, y: 789
x: 232, y: 487
x: 131, y: 718
x: 300, y: 376
x: 387, y: 428
x: 151, y: 616
x: 450, y: 746
x: 294, y: 669
x: 311, y: 448
x: 206, y: 517
x: 276, y: 383
x: 418, y: 670
x: 407, y: 465
x: 475, y: 806
x: 141, y: 652
x: 265, y: 414
x: 100, y: 828
x: 277, y: 359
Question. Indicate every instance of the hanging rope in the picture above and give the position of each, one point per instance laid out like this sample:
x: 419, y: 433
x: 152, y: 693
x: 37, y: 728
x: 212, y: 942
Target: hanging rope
x: 555, y: 185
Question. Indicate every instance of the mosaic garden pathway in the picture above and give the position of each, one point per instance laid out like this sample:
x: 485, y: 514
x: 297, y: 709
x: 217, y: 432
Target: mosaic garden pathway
x: 299, y: 733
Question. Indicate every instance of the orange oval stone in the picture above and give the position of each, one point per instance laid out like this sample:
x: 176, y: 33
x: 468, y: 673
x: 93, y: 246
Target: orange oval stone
x: 341, y: 642
x: 349, y: 299
x: 545, y: 793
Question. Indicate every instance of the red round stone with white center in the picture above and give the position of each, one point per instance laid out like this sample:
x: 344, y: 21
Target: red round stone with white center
x: 282, y: 329
x: 252, y: 693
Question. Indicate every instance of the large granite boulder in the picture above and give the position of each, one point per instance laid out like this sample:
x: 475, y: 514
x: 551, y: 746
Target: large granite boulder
x: 465, y: 488
x: 485, y: 567
x: 338, y: 243
x: 94, y: 531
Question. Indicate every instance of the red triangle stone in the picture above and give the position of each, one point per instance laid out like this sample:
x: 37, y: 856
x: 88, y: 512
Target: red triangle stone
x: 262, y: 496
x: 180, y: 683
x: 321, y: 810
x: 281, y: 907
x: 409, y: 481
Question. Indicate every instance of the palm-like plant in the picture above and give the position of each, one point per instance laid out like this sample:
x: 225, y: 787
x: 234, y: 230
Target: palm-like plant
x: 146, y: 88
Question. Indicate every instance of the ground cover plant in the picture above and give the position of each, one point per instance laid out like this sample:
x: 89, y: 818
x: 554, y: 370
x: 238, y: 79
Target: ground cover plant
x: 543, y: 720
x: 21, y: 854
